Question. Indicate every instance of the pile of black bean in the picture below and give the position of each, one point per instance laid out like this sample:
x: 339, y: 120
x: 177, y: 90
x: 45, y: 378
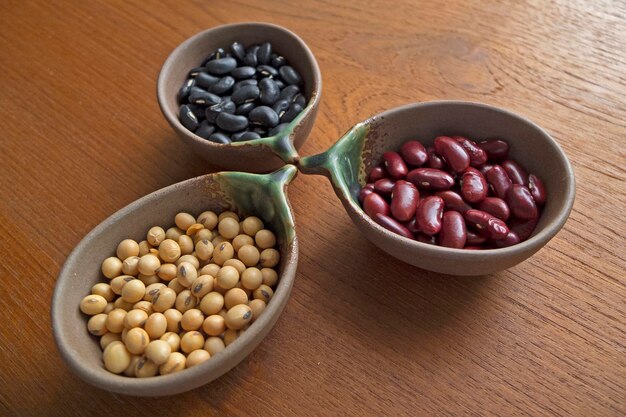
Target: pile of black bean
x: 241, y: 94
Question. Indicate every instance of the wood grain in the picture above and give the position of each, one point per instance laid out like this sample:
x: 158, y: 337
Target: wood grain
x: 362, y: 334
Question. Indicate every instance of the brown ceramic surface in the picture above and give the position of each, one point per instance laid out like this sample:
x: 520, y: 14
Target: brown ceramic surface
x: 261, y: 155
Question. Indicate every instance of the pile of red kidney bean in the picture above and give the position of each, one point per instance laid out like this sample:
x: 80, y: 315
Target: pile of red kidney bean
x: 457, y: 193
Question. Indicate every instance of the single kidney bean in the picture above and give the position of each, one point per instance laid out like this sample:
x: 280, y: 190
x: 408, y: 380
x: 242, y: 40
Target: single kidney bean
x: 496, y: 207
x: 413, y: 226
x: 428, y: 214
x: 523, y: 228
x: 473, y: 186
x: 430, y: 178
x: 477, y: 156
x: 537, y: 189
x: 516, y: 173
x: 474, y: 239
x: 384, y: 187
x: 455, y: 155
x: 377, y: 173
x: 453, y: 232
x: 510, y: 239
x: 488, y: 225
x: 395, y: 165
x: 392, y: 225
x: 496, y: 149
x: 404, y: 199
x: 499, y: 181
x: 414, y: 153
x: 434, y: 160
x: 453, y: 201
x: 521, y: 202
x: 484, y: 169
x: 373, y: 204
x: 424, y: 238
x: 365, y: 191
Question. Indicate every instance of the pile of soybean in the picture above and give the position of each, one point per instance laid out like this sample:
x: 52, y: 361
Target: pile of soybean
x: 183, y: 294
x: 241, y: 94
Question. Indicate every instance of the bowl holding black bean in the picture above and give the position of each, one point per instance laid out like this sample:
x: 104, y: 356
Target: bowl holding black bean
x: 177, y: 288
x: 453, y: 187
x: 243, y: 96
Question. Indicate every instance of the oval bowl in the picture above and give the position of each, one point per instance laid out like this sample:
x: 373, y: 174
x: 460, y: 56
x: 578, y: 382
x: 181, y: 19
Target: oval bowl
x: 360, y: 149
x: 249, y: 194
x: 259, y: 155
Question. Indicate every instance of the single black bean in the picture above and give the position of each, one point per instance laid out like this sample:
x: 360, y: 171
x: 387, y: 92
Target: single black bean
x: 183, y: 93
x: 221, y: 66
x: 280, y: 83
x: 206, y: 80
x: 254, y: 49
x: 217, y: 54
x: 291, y: 114
x: 260, y: 131
x: 219, y: 137
x: 187, y: 118
x: 242, y: 83
x: 267, y: 71
x: 278, y: 61
x: 198, y: 110
x: 223, y: 85
x: 263, y: 116
x: 238, y: 50
x: 246, y: 94
x: 264, y: 53
x: 195, y: 71
x: 281, y: 106
x: 242, y: 73
x: 244, y: 109
x: 269, y: 91
x: 231, y: 122
x: 200, y: 96
x: 278, y: 129
x: 225, y: 106
x: 251, y: 59
x: 205, y: 129
x: 244, y: 136
x: 289, y: 92
x: 299, y: 99
x: 289, y: 75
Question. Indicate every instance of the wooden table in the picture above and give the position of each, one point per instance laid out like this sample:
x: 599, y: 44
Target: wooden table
x: 361, y: 335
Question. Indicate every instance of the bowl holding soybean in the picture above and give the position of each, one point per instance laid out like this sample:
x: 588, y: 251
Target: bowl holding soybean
x: 361, y: 150
x: 247, y: 194
x: 280, y: 138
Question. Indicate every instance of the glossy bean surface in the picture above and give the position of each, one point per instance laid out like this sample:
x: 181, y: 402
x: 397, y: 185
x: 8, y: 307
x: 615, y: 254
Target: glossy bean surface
x: 428, y: 215
x: 384, y: 186
x: 510, y: 239
x: 537, y: 190
x: 453, y: 232
x: 374, y: 203
x: 430, y: 179
x: 377, y: 173
x: 488, y: 225
x: 395, y: 165
x: 499, y: 181
x: 497, y: 150
x: 455, y: 155
x: 478, y: 156
x: 453, y: 201
x: 496, y: 207
x: 392, y: 225
x: 414, y: 153
x: 404, y: 200
x: 473, y: 186
x: 521, y: 202
x: 516, y: 173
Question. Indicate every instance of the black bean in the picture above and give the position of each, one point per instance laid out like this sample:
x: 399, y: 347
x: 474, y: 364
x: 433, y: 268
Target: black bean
x: 221, y: 66
x: 206, y: 80
x: 289, y: 75
x: 239, y: 84
x: 280, y: 83
x: 230, y: 122
x: 198, y: 110
x: 289, y: 92
x: 183, y: 93
x: 195, y: 71
x: 291, y: 114
x: 219, y: 137
x: 263, y: 116
x: 254, y: 49
x: 251, y: 59
x: 264, y: 53
x: 217, y: 54
x: 200, y: 96
x: 267, y: 71
x: 260, y: 131
x: 205, y: 129
x: 187, y: 118
x: 278, y: 129
x: 223, y: 85
x: 244, y: 109
x: 245, y: 94
x: 244, y: 136
x: 278, y: 61
x: 226, y: 106
x: 299, y: 99
x: 242, y: 73
x: 269, y: 91
x: 281, y: 106
x: 238, y: 50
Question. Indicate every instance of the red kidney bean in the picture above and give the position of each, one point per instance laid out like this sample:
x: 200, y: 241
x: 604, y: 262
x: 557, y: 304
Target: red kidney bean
x: 365, y: 191
x: 430, y: 178
x: 395, y: 165
x: 477, y: 156
x: 473, y: 186
x: 521, y: 202
x: 516, y: 173
x: 434, y: 160
x: 510, y: 239
x: 496, y: 149
x: 537, y: 189
x: 488, y: 225
x: 496, y: 207
x: 412, y: 226
x: 428, y: 214
x: 523, y: 228
x: 453, y: 232
x: 384, y: 187
x: 484, y: 169
x: 374, y: 204
x: 473, y: 238
x: 404, y: 199
x: 424, y: 238
x: 392, y: 225
x: 453, y: 201
x: 377, y: 173
x: 499, y: 181
x: 455, y: 155
x: 414, y: 153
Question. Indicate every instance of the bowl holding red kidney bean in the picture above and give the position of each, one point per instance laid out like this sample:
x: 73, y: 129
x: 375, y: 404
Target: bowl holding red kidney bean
x: 440, y: 173
x: 457, y: 188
